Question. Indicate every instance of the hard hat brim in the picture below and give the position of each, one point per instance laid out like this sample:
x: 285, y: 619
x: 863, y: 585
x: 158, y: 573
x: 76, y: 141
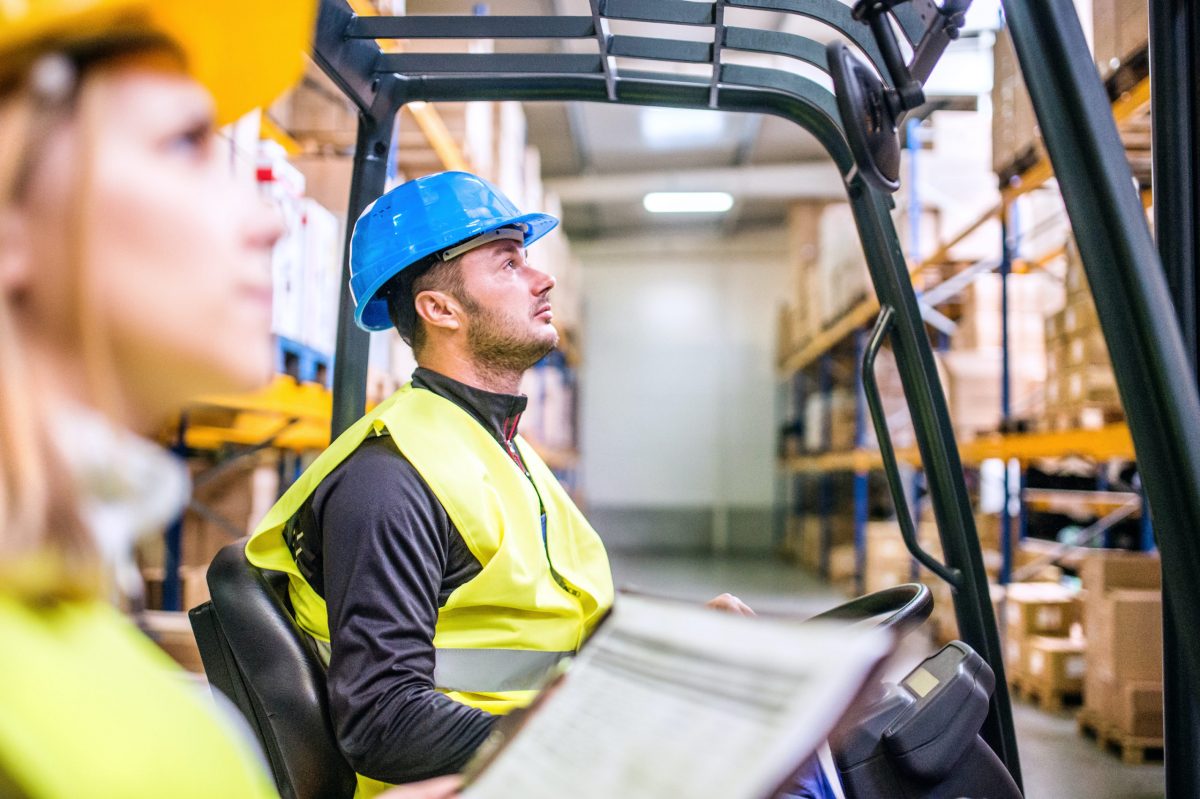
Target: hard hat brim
x: 245, y: 52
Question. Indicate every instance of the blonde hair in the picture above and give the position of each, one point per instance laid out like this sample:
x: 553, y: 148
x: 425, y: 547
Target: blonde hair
x: 47, y: 554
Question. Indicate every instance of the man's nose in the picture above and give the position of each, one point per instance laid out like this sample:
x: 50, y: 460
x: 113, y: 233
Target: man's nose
x: 542, y: 282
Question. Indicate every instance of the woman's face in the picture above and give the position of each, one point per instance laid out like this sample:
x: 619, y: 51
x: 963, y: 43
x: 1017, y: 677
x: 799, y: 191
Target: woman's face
x: 176, y: 251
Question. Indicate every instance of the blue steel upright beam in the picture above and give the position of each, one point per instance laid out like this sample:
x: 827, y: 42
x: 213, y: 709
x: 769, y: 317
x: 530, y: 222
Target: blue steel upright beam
x: 862, y: 477
x: 825, y: 484
x: 1006, y: 258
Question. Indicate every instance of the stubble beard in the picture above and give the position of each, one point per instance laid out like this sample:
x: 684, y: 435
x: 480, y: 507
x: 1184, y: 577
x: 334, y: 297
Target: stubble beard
x: 499, y: 344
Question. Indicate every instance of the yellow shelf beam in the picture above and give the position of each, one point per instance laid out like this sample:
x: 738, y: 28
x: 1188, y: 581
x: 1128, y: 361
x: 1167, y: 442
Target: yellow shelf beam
x: 438, y: 135
x: 820, y: 344
x: 282, y: 397
x: 1112, y: 442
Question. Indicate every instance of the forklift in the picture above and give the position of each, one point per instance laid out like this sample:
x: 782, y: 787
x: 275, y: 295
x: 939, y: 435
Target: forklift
x: 958, y: 739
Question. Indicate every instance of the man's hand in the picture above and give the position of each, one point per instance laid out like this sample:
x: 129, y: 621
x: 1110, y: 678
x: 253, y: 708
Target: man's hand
x: 440, y: 788
x: 728, y: 603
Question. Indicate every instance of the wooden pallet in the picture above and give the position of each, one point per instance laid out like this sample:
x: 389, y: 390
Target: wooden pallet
x: 1132, y: 749
x: 1048, y: 699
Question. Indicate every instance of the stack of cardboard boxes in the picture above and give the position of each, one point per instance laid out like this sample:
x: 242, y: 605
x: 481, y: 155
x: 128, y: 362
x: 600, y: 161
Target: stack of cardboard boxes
x: 803, y: 544
x: 975, y: 363
x: 1044, y: 645
x: 1115, y: 30
x: 1081, y: 391
x: 829, y: 271
x: 1122, y: 614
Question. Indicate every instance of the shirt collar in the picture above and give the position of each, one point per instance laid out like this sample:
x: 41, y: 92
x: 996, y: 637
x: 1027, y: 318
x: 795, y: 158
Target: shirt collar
x: 500, y: 414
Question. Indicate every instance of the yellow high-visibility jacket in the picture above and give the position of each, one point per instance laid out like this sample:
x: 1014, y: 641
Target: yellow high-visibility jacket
x: 532, y: 603
x: 90, y: 707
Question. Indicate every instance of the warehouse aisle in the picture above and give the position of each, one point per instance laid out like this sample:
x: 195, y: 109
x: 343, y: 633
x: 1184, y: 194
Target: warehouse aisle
x: 1057, y: 761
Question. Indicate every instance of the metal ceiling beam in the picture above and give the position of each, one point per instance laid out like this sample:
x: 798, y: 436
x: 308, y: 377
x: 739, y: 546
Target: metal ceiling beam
x: 463, y: 26
x: 815, y: 180
x: 491, y: 63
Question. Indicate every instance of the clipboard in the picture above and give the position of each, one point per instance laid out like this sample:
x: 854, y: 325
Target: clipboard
x: 673, y: 699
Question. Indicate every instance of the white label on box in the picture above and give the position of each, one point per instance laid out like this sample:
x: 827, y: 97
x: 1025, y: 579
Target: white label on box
x: 1077, y: 350
x: 1037, y: 662
x: 1014, y: 613
x: 1049, y: 617
x: 1014, y: 655
x: 1075, y: 667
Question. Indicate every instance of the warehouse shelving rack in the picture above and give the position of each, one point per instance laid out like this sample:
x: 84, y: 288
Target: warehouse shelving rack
x: 1122, y: 265
x: 1128, y: 88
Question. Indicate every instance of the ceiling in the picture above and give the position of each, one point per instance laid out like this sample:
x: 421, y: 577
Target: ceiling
x: 601, y: 159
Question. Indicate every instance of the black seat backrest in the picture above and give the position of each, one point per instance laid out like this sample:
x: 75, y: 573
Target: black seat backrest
x: 256, y: 655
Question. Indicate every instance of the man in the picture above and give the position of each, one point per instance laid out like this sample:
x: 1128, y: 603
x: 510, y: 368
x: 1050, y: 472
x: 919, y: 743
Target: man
x: 431, y: 554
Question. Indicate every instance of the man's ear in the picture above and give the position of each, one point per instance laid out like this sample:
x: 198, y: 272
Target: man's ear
x: 15, y: 251
x: 438, y: 309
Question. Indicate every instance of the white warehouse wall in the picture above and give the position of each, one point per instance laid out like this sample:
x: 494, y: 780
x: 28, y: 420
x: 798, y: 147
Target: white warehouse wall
x: 677, y: 403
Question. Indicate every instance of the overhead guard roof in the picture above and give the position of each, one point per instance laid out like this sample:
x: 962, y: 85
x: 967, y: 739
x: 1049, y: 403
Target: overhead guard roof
x: 379, y: 82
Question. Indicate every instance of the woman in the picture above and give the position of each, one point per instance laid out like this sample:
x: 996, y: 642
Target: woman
x: 134, y: 274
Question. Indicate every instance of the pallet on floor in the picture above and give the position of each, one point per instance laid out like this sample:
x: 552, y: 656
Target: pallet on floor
x: 1051, y: 700
x: 1132, y: 749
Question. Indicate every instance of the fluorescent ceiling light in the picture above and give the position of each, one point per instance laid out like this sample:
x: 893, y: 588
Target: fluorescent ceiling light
x: 687, y: 202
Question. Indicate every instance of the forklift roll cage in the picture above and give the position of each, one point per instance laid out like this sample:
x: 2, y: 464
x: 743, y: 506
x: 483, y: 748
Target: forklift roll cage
x: 1131, y: 294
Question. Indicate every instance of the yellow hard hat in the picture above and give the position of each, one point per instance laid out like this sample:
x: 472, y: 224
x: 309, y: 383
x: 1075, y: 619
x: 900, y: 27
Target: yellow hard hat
x: 245, y: 52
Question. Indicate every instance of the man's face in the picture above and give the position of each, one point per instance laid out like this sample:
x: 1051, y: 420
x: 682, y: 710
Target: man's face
x: 509, y: 321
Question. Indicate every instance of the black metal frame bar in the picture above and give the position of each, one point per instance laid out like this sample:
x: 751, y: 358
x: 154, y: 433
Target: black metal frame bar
x: 1175, y: 113
x: 1121, y: 261
x: 1134, y: 303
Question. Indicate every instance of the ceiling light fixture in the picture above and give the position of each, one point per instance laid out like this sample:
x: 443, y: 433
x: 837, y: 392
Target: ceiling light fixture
x: 687, y: 202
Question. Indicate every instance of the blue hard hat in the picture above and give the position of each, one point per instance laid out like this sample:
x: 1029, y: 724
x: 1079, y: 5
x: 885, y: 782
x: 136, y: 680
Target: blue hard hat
x: 420, y: 218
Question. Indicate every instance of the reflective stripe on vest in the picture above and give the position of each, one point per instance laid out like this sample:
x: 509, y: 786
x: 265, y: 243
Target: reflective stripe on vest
x: 484, y: 671
x: 492, y: 671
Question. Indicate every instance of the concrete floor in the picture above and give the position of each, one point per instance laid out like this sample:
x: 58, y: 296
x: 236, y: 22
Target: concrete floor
x: 1056, y: 760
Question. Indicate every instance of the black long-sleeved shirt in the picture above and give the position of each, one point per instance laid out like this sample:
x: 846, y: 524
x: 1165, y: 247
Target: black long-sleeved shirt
x: 390, y: 559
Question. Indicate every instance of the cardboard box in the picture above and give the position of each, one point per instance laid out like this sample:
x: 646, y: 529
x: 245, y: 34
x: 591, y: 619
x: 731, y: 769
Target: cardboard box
x: 1099, y: 694
x: 194, y: 584
x: 1125, y: 635
x: 843, y: 563
x: 1121, y: 28
x: 1138, y: 709
x: 1014, y: 124
x: 1056, y: 665
x: 173, y: 633
x: 1030, y: 298
x: 1090, y: 384
x: 842, y: 279
x: 1040, y: 609
x: 889, y: 562
x: 1106, y: 570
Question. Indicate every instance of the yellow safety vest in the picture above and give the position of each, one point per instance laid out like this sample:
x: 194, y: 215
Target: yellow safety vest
x: 532, y: 603
x: 89, y: 707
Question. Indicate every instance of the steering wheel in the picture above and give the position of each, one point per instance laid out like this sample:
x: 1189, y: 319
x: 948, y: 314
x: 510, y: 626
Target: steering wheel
x: 902, y: 608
